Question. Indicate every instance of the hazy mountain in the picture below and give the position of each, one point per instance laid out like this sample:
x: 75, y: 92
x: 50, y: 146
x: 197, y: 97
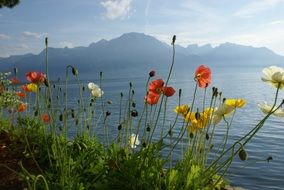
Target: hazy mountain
x: 134, y: 53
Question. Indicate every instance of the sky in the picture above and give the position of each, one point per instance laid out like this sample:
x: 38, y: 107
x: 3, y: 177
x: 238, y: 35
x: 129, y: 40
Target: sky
x: 72, y: 23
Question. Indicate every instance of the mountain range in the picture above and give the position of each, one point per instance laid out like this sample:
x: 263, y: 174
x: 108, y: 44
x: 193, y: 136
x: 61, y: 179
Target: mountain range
x: 132, y: 53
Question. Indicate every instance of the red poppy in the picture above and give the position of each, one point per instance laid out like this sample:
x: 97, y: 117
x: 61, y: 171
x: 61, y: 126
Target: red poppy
x: 156, y: 88
x: 21, y: 94
x: 14, y: 80
x: 168, y: 91
x: 203, y: 76
x: 35, y: 77
x: 45, y: 118
x: 152, y: 98
x: 22, y: 107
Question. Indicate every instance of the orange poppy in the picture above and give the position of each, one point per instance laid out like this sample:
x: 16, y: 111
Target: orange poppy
x: 45, y: 118
x: 22, y: 107
x: 203, y: 76
x: 21, y: 94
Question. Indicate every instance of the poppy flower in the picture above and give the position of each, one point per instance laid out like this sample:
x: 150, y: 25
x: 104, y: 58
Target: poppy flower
x: 134, y: 141
x: 274, y: 76
x: 45, y: 118
x: 14, y: 80
x: 35, y: 77
x: 96, y: 91
x: 182, y: 109
x: 21, y: 94
x: 266, y: 108
x: 156, y: 88
x: 25, y: 88
x: 22, y: 107
x: 203, y: 76
x: 236, y: 103
x: 152, y: 98
x: 32, y: 87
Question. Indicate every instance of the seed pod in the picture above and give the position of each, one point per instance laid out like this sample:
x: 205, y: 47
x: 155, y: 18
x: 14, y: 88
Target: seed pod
x: 243, y: 154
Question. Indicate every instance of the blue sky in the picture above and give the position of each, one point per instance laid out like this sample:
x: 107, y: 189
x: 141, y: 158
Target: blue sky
x: 78, y: 23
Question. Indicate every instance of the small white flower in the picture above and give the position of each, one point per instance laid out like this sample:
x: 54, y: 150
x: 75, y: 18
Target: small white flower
x: 134, y: 141
x: 274, y: 75
x: 96, y: 91
x: 266, y: 108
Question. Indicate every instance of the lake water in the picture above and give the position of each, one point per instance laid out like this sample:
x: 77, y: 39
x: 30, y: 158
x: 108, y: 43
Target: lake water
x: 256, y: 172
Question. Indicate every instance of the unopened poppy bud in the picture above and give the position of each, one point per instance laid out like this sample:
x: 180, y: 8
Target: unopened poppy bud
x: 243, y: 154
x: 207, y: 136
x: 74, y: 71
x: 144, y: 144
x: 57, y: 97
x: 83, y: 88
x: 197, y: 115
x: 15, y: 70
x: 107, y: 113
x: 174, y: 40
x: 269, y: 158
x: 179, y: 92
x: 91, y: 104
x: 119, y: 127
x: 170, y: 133
x: 101, y: 74
x: 215, y: 92
x: 109, y: 102
x: 152, y: 73
x: 134, y: 113
x: 46, y: 83
x: 60, y: 117
x: 191, y: 135
x: 133, y: 92
x: 88, y: 127
x: 72, y: 113
x: 36, y: 113
x: 121, y: 94
x: 148, y: 129
x: 77, y: 121
x: 133, y: 104
x: 46, y: 41
x: 224, y: 99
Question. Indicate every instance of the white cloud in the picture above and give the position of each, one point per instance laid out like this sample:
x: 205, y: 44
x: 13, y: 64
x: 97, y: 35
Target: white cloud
x: 116, y: 8
x: 66, y: 44
x: 4, y: 37
x: 32, y: 34
x: 255, y: 7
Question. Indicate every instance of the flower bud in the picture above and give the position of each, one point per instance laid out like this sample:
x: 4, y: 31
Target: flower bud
x: 46, y: 83
x: 174, y: 40
x: 243, y: 154
x: 133, y: 104
x: 207, y: 136
x: 170, y: 133
x: 134, y: 113
x: 121, y: 94
x: 108, y: 113
x: 191, y: 135
x: 152, y: 73
x: 46, y: 41
x: 74, y: 71
x: 269, y: 158
x: 60, y: 117
x: 119, y: 127
x: 148, y: 129
x: 179, y: 92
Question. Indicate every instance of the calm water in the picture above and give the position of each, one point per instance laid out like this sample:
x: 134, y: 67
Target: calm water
x: 256, y: 172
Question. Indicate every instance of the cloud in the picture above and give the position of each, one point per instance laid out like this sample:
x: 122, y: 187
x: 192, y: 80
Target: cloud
x: 66, y: 44
x: 116, y: 8
x: 4, y: 37
x: 32, y: 34
x: 252, y: 9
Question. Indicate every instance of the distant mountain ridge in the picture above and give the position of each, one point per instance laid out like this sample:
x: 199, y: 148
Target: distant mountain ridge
x: 132, y: 52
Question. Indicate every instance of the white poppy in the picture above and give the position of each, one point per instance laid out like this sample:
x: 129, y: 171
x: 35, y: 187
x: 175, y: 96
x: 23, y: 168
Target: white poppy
x: 96, y: 91
x: 134, y: 141
x: 266, y: 108
x: 274, y: 75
